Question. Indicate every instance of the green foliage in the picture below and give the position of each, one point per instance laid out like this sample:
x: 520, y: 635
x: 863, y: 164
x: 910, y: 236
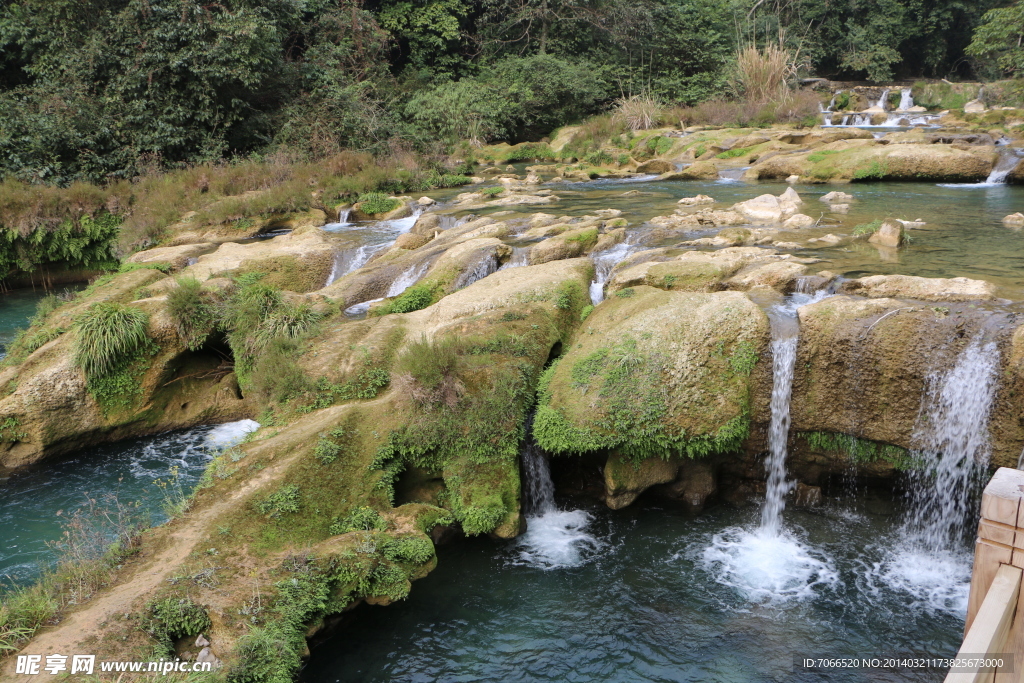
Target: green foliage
x: 193, y: 310
x: 328, y: 449
x: 448, y: 180
x: 585, y: 313
x: 107, y: 335
x: 998, y: 38
x: 877, y: 170
x: 360, y: 519
x: 493, y: 191
x: 413, y: 549
x: 599, y: 158
x: 177, y: 618
x: 76, y: 243
x: 377, y: 202
x: 626, y: 293
x: 284, y: 500
x: 416, y: 297
x: 860, y: 451
x: 743, y: 359
x: 865, y: 229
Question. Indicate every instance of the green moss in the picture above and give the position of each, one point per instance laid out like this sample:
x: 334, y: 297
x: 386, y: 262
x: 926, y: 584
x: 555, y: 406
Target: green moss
x: 493, y: 191
x: 153, y: 265
x: 734, y: 153
x: 414, y: 549
x: 585, y: 313
x: 821, y: 155
x: 625, y: 293
x: 743, y: 359
x: 861, y: 451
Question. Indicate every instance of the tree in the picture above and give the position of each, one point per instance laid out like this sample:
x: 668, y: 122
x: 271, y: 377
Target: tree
x: 1001, y: 37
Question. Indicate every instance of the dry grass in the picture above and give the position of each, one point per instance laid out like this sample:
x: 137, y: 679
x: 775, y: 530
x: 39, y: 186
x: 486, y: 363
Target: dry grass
x: 639, y: 112
x: 761, y: 74
x: 800, y: 107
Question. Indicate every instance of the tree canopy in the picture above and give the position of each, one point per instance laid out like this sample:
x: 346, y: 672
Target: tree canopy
x: 99, y: 89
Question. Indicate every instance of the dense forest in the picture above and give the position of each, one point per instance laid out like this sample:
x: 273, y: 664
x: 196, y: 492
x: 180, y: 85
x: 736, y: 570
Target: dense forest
x: 103, y: 89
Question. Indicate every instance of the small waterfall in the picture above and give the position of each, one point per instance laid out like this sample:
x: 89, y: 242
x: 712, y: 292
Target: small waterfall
x: 927, y: 559
x: 487, y: 265
x: 343, y: 215
x: 952, y: 434
x: 350, y: 260
x: 520, y: 257
x: 407, y: 279
x: 1007, y: 162
x: 883, y: 100
x: 339, y: 256
x: 604, y: 262
x: 785, y: 333
x: 770, y: 563
x: 906, y: 100
x: 538, y: 488
x: 554, y: 538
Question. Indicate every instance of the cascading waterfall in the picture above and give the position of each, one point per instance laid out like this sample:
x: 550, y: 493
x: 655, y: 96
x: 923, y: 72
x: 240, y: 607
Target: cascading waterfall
x: 520, y: 257
x: 883, y: 100
x: 343, y: 215
x: 770, y: 563
x: 906, y: 100
x: 604, y: 262
x: 350, y: 260
x: 928, y: 559
x: 554, y: 538
x: 407, y: 279
x: 1008, y: 159
x: 487, y: 265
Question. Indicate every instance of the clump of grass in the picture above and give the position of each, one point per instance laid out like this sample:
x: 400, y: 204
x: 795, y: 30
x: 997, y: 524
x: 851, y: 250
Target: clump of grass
x: 377, y: 202
x: 415, y: 298
x: 108, y: 334
x: 761, y: 74
x: 193, y: 310
x: 640, y: 112
x: 285, y: 499
x: 492, y: 191
x: 867, y: 228
x: 362, y: 518
x: 427, y: 372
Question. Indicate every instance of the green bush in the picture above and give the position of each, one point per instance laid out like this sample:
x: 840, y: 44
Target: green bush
x: 179, y: 617
x: 377, y: 202
x: 493, y: 191
x: 867, y: 228
x: 414, y: 549
x: 107, y: 335
x: 327, y: 450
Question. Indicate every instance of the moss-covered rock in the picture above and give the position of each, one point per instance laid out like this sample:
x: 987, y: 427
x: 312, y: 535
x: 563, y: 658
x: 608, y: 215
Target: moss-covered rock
x: 655, y: 373
x: 569, y: 244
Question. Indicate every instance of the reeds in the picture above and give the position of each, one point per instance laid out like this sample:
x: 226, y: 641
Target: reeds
x: 107, y: 335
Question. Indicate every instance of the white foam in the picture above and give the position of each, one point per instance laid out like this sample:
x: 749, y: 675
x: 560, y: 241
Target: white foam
x: 937, y: 580
x: 767, y: 567
x: 230, y: 433
x: 557, y: 539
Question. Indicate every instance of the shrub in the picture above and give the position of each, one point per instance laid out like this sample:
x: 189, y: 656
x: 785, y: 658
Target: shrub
x: 377, y: 202
x: 415, y: 549
x: 428, y: 370
x: 179, y: 617
x: 493, y: 191
x: 327, y: 450
x: 193, y: 310
x: 108, y: 334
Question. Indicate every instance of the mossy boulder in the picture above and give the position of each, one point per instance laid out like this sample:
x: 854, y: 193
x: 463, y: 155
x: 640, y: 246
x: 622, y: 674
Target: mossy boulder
x: 569, y: 244
x: 654, y: 373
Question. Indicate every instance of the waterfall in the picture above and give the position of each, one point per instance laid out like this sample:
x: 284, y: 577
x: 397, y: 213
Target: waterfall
x: 883, y: 100
x: 769, y: 563
x: 487, y: 265
x: 906, y: 100
x: 554, y: 538
x: 952, y: 438
x: 407, y: 279
x: 604, y: 262
x: 343, y: 215
x: 520, y: 258
x: 927, y: 559
x: 783, y: 364
x: 1007, y: 162
x: 538, y: 488
x: 350, y: 260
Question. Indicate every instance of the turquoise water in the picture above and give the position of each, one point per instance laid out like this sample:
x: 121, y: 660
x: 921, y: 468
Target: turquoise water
x: 35, y: 503
x: 16, y: 308
x: 963, y: 235
x: 648, y: 605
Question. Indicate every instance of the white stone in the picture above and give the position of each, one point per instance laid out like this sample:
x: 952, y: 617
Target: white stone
x: 975, y: 107
x: 699, y: 199
x: 793, y: 179
x: 1015, y: 220
x: 763, y: 209
x: 798, y: 221
x: 839, y: 208
x: 836, y: 197
x: 424, y: 201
